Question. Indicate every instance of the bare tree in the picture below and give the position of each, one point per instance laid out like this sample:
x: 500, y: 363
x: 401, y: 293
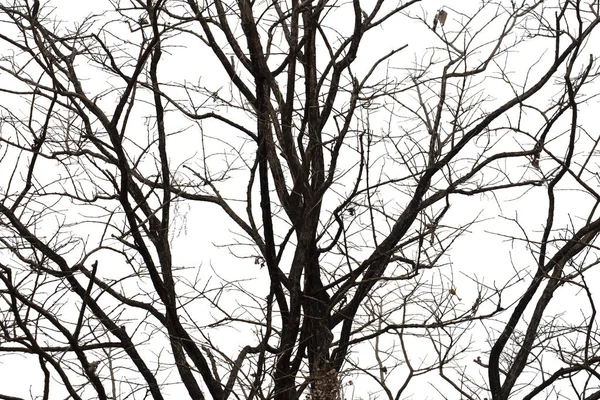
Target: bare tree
x: 264, y: 199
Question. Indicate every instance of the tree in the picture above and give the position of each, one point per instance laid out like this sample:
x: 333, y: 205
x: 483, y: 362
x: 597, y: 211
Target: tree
x: 333, y: 159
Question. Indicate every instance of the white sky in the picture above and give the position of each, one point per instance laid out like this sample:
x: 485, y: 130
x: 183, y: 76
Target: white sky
x: 480, y: 254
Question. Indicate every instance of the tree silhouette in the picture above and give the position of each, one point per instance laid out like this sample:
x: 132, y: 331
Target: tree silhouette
x: 266, y: 199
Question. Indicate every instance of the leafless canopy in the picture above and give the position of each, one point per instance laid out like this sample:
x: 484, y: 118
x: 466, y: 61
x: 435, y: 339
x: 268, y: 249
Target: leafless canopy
x: 285, y: 199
